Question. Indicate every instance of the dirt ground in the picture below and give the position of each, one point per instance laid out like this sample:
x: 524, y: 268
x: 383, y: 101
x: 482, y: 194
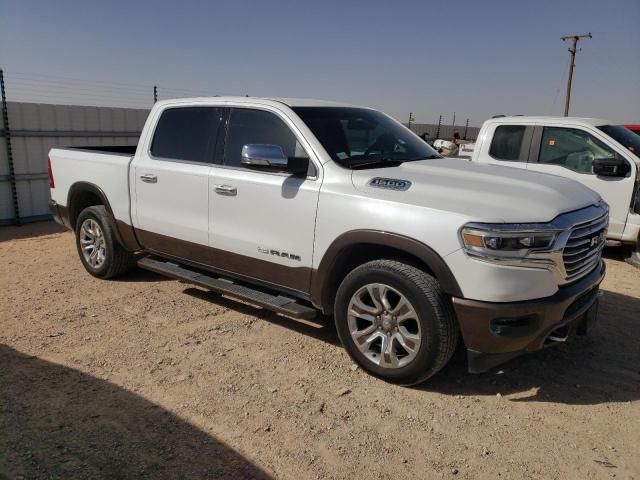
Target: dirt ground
x: 145, y: 377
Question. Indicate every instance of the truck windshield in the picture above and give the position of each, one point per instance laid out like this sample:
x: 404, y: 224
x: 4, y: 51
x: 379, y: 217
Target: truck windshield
x: 359, y: 137
x: 623, y: 136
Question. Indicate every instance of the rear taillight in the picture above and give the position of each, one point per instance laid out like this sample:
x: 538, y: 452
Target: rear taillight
x: 52, y: 184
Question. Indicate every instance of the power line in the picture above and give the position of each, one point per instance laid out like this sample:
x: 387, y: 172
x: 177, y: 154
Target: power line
x: 35, y: 77
x: 20, y: 96
x: 73, y: 79
x: 555, y: 98
x: 74, y: 89
x: 25, y: 90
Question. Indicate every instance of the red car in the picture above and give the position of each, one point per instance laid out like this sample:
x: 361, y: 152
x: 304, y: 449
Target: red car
x: 634, y: 128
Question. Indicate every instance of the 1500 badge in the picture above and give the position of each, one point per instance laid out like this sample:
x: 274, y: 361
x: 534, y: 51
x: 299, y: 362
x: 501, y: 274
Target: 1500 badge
x: 390, y: 183
x: 278, y: 253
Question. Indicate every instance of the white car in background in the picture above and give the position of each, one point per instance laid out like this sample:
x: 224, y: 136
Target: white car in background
x: 597, y: 153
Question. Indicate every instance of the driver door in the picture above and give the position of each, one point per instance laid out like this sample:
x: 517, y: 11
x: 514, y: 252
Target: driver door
x: 261, y: 223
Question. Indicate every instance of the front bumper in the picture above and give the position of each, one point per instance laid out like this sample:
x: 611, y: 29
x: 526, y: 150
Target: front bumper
x: 496, y: 332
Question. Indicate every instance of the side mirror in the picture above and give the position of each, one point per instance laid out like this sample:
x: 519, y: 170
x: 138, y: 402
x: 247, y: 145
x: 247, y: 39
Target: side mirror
x: 265, y: 156
x: 611, y: 167
x: 272, y: 158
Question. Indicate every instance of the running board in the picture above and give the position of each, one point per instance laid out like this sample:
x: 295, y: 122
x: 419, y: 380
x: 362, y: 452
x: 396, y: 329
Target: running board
x: 277, y: 303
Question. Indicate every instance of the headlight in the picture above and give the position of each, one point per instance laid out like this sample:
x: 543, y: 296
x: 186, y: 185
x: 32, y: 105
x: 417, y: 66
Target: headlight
x: 504, y: 240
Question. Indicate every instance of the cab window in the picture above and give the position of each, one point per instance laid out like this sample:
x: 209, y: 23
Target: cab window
x: 507, y: 143
x: 249, y: 126
x: 186, y: 133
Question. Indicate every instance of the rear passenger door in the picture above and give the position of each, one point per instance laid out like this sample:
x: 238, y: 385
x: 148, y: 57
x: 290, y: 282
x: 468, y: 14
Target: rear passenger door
x: 509, y: 145
x: 172, y: 181
x: 262, y: 223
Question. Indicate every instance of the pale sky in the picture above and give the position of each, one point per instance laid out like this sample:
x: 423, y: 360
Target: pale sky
x: 479, y: 58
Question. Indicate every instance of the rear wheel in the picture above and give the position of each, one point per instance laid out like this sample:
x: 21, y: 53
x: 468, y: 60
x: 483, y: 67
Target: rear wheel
x: 100, y: 252
x: 395, y: 321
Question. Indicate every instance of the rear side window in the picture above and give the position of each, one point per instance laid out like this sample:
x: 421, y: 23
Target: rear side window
x: 187, y: 133
x: 248, y: 126
x: 507, y: 142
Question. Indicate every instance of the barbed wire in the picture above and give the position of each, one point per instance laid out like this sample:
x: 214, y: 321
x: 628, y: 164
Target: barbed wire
x: 46, y: 88
x: 36, y: 87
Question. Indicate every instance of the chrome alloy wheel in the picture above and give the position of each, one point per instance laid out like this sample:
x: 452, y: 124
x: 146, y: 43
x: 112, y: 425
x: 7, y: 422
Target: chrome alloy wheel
x: 92, y: 243
x: 384, y: 325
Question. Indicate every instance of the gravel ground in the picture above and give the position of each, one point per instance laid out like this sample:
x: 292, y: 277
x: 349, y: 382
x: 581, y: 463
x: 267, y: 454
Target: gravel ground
x: 145, y: 377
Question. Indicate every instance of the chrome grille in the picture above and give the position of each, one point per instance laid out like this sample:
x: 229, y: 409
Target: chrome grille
x: 583, y: 249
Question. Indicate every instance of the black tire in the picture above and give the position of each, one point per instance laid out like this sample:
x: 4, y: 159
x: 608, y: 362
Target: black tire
x: 434, y: 313
x: 632, y: 255
x: 117, y: 260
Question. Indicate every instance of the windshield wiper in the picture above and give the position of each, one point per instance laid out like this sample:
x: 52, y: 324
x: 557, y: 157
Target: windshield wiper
x: 380, y: 162
x: 389, y: 162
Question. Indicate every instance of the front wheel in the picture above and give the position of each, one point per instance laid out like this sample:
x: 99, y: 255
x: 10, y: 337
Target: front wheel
x: 395, y: 322
x: 100, y: 252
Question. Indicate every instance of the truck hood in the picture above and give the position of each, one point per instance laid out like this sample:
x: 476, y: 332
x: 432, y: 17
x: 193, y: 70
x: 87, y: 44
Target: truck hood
x: 484, y: 193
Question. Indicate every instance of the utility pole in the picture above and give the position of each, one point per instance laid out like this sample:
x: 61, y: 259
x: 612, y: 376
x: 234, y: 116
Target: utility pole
x: 572, y: 50
x: 411, y: 119
x: 439, y: 125
x: 155, y: 94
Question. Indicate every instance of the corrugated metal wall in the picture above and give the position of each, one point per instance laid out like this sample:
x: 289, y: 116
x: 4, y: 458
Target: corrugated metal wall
x: 35, y: 128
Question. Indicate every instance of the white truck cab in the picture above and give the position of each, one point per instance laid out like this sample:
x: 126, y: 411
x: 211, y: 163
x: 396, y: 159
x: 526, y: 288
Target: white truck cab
x: 601, y: 155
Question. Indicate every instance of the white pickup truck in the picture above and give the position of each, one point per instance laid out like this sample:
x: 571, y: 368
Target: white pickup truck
x: 603, y: 156
x: 301, y: 206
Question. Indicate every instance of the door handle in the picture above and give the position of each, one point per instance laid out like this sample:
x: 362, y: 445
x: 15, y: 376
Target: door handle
x: 226, y: 190
x: 148, y: 178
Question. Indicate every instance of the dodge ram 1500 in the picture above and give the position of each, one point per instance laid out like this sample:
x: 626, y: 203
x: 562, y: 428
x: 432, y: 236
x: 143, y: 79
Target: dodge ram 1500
x: 302, y: 206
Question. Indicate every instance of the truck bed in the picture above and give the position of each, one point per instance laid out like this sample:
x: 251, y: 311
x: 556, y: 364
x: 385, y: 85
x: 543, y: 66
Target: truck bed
x: 105, y: 167
x: 119, y: 149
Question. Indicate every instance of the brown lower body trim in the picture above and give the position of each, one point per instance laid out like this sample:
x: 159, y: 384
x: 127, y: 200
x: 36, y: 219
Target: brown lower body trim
x: 60, y: 213
x: 294, y: 280
x: 489, y: 327
x: 127, y: 236
x: 125, y: 233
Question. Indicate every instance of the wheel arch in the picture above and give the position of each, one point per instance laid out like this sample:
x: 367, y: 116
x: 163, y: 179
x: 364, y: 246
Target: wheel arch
x: 85, y: 194
x: 356, y: 247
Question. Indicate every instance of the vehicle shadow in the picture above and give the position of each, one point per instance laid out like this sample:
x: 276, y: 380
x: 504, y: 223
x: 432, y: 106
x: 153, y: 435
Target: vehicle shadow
x: 30, y: 230
x: 138, y: 274
x: 57, y: 422
x: 600, y: 368
x: 614, y: 253
x: 321, y: 327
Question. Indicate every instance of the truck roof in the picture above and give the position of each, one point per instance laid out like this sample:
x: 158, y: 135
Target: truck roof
x: 291, y: 102
x: 551, y: 119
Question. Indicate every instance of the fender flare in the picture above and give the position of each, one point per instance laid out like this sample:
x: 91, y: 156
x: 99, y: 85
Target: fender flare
x: 322, y: 277
x: 125, y: 234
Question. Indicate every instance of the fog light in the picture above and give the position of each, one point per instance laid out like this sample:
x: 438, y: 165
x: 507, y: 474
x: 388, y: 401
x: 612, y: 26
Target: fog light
x: 515, y: 326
